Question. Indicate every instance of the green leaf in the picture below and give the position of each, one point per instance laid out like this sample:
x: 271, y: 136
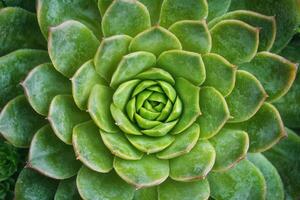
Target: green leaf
x: 10, y: 160
x: 32, y: 185
x: 217, y: 8
x: 26, y: 4
x: 19, y: 29
x: 70, y: 45
x: 53, y: 12
x: 67, y: 190
x: 99, y: 108
x: 118, y: 144
x: 50, y: 84
x: 155, y: 40
x: 140, y: 172
x: 52, y: 157
x: 239, y: 37
x: 231, y: 146
x: 244, y: 181
x: 19, y: 122
x: 246, y: 98
x: 154, y: 7
x: 149, y: 193
x: 273, y: 181
x: 220, y: 74
x: 96, y: 186
x: 131, y: 65
x: 103, y: 5
x: 183, y: 64
x: 161, y: 129
x: 13, y: 69
x: 177, y: 10
x: 214, y: 110
x: 193, y: 35
x: 176, y: 190
x: 90, y: 149
x: 194, y: 165
x: 64, y: 115
x: 156, y: 74
x: 135, y: 20
x: 82, y: 83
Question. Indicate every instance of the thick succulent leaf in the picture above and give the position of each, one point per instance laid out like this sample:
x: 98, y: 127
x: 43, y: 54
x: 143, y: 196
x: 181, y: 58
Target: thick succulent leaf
x: 156, y: 74
x: 149, y: 193
x: 32, y: 185
x: 231, y: 146
x: 244, y: 181
x: 135, y: 20
x: 64, y: 115
x: 52, y: 157
x: 70, y: 45
x: 54, y: 12
x: 67, y: 190
x: 155, y: 40
x: 42, y: 84
x: 13, y: 69
x: 161, y: 129
x: 214, y: 110
x: 285, y: 157
x: 150, y: 144
x: 154, y: 7
x: 286, y: 14
x: 265, y: 128
x: 217, y: 8
x: 90, y: 149
x: 190, y: 101
x: 19, y: 29
x: 266, y: 24
x: 99, y: 108
x: 239, y: 37
x: 200, y: 161
x: 275, y: 73
x: 118, y: 144
x: 109, y: 54
x: 177, y: 10
x: 103, y: 5
x: 82, y: 84
x: 246, y: 98
x: 19, y: 122
x: 144, y: 172
x: 131, y: 65
x: 193, y: 35
x: 273, y: 181
x: 97, y: 186
x: 176, y: 190
x: 183, y: 64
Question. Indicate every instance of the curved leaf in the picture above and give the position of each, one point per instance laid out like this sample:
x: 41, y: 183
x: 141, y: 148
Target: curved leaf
x: 67, y: 190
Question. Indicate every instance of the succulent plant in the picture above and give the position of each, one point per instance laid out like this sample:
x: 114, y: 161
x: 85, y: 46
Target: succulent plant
x: 146, y: 99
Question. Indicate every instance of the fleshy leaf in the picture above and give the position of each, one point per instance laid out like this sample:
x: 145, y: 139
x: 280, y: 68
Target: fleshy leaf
x: 161, y: 129
x: 131, y: 65
x: 134, y: 20
x: 144, y: 172
x: 90, y: 149
x: 33, y: 185
x: 103, y: 5
x: 70, y: 45
x: 156, y: 74
x: 118, y: 144
x: 53, y: 12
x: 244, y: 181
x: 50, y: 84
x: 273, y: 181
x: 52, y: 157
x: 92, y: 184
x: 154, y: 7
x: 176, y: 190
x: 82, y: 84
x: 214, y: 110
x: 183, y: 64
x: 99, y: 108
x: 275, y: 73
x: 246, y: 98
x: 19, y: 29
x: 239, y: 37
x: 64, y: 115
x: 231, y: 146
x: 13, y: 69
x: 177, y: 10
x: 19, y: 122
x: 149, y: 193
x: 217, y: 8
x: 193, y: 35
x: 67, y: 190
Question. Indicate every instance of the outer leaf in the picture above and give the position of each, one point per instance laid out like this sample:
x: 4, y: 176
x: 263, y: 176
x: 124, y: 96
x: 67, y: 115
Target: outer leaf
x: 67, y: 190
x: 103, y: 5
x: 217, y: 8
x: 146, y: 194
x: 154, y: 7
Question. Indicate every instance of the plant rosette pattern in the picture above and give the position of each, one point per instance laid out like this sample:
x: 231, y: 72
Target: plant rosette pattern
x: 143, y: 100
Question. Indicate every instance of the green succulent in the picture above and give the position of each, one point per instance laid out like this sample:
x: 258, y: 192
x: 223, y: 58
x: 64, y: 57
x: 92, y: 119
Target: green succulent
x: 147, y: 99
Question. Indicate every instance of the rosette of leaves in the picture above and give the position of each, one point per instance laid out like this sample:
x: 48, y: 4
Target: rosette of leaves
x: 144, y: 99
